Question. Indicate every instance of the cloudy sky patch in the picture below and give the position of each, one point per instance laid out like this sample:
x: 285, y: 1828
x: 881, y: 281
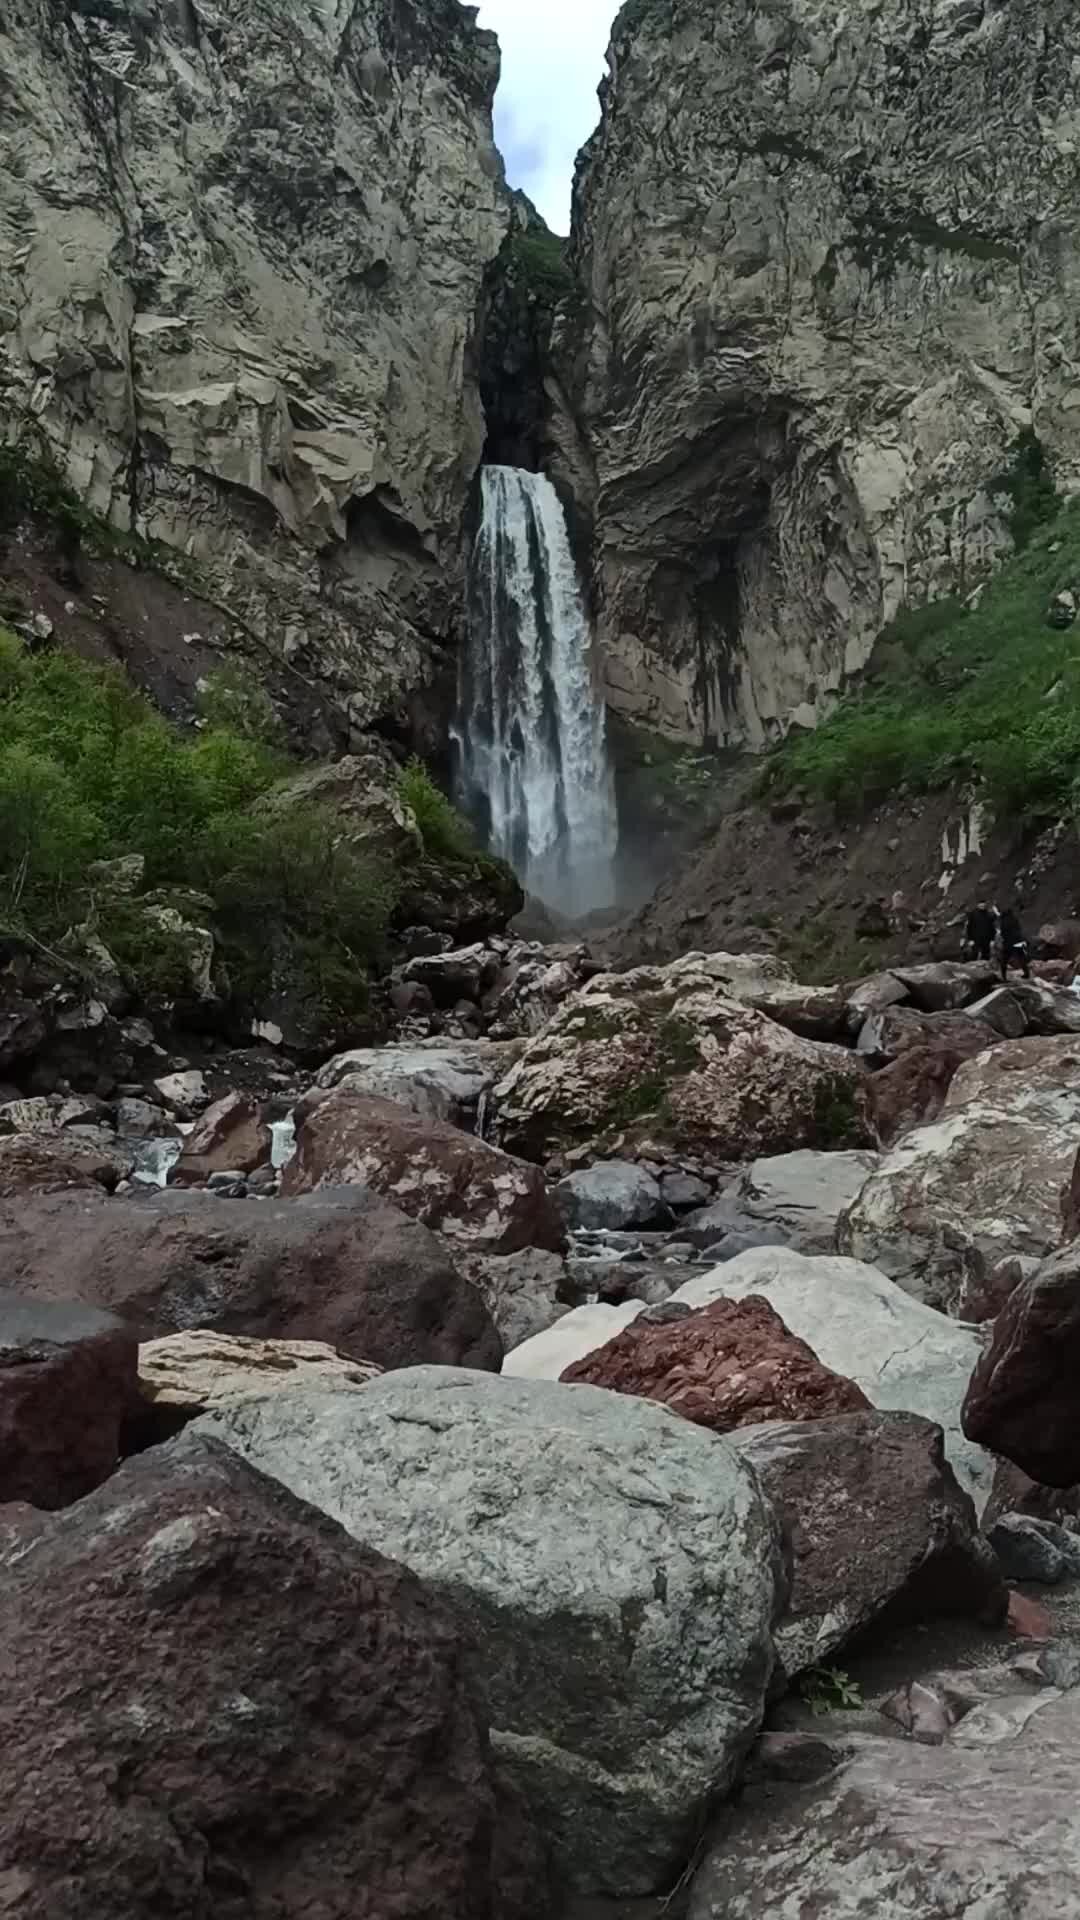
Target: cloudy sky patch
x: 546, y: 106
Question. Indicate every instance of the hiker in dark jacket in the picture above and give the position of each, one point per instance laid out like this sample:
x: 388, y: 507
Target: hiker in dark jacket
x: 979, y: 931
x: 1012, y: 945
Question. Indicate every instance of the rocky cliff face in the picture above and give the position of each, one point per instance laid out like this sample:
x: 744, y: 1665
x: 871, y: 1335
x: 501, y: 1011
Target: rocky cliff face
x: 241, y: 250
x: 828, y: 261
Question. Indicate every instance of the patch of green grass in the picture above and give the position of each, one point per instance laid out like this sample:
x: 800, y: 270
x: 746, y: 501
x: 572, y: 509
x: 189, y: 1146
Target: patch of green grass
x: 989, y: 696
x: 836, y: 1115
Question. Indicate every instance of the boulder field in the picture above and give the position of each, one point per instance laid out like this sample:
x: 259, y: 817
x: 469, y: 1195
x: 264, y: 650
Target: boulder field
x: 584, y: 1418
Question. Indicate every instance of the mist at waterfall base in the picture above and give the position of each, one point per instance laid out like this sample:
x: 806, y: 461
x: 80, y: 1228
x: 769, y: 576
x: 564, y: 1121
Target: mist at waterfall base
x: 532, y: 766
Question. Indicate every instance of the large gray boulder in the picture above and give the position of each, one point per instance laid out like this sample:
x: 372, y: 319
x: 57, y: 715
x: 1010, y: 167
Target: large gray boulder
x: 982, y: 1827
x: 439, y: 1080
x: 613, y: 1193
x: 903, y: 1355
x: 955, y: 1200
x: 798, y: 1197
x: 618, y: 1568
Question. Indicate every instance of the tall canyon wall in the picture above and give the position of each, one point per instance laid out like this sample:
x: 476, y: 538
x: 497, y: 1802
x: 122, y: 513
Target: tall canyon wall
x: 829, y: 288
x: 241, y: 251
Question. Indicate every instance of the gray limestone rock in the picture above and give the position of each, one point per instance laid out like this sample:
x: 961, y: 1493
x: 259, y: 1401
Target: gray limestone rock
x: 618, y: 1569
x: 241, y: 251
x: 982, y: 1824
x: 612, y: 1193
x: 826, y: 282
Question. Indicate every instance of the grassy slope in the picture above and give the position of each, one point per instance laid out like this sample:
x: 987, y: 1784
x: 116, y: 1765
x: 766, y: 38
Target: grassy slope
x: 990, y: 695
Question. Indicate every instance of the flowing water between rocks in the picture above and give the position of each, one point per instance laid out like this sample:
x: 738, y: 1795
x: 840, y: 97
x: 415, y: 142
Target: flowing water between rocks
x: 530, y: 737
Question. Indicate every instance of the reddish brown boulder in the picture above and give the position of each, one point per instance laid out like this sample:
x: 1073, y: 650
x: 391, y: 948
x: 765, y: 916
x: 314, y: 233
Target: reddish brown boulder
x: 481, y: 1199
x: 912, y: 1089
x: 36, y: 1163
x: 216, y: 1702
x: 68, y: 1380
x: 877, y: 1526
x: 728, y: 1365
x: 1023, y: 1400
x: 894, y: 1031
x: 231, y: 1137
x: 341, y: 1266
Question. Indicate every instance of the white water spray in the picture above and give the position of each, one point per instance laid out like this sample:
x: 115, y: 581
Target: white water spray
x: 533, y: 765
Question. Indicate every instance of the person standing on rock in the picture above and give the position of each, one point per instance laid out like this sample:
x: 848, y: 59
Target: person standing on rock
x: 980, y: 930
x: 1013, y: 947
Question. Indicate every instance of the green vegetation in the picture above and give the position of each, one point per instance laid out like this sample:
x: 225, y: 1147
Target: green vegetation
x: 88, y: 771
x: 539, y: 258
x: 443, y: 831
x: 989, y: 695
x: 234, y: 701
x: 1030, y: 487
x: 830, y: 1690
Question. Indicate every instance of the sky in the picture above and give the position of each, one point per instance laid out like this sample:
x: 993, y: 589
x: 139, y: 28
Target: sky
x: 546, y: 106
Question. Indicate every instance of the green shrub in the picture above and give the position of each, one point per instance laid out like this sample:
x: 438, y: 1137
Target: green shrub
x: 88, y: 770
x: 234, y: 701
x: 444, y: 833
x: 47, y: 835
x: 295, y: 904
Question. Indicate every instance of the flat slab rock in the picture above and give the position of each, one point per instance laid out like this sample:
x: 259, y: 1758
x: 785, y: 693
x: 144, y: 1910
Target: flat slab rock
x: 195, y: 1632
x: 68, y: 1380
x: 619, y: 1568
x: 727, y: 1365
x: 203, y: 1368
x: 980, y: 1826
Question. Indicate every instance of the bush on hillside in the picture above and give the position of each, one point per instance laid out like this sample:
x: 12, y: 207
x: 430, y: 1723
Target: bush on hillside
x: 88, y: 771
x: 443, y: 831
x: 990, y: 696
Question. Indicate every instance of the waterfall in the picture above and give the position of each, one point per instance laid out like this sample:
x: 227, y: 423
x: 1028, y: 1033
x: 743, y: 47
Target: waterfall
x: 532, y: 756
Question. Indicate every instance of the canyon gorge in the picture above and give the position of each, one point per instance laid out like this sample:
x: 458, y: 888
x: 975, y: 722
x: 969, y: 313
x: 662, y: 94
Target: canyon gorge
x: 537, y: 1259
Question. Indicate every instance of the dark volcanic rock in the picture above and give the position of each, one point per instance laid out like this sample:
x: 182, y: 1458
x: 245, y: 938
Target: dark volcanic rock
x: 232, y: 1135
x: 52, y: 1164
x: 1023, y: 1400
x: 216, y: 1703
x: 483, y: 1200
x: 911, y: 1089
x: 68, y: 1379
x: 728, y: 1365
x: 340, y: 1265
x: 877, y: 1524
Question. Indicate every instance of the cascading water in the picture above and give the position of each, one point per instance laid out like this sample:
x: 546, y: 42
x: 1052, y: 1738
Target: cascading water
x: 532, y: 755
